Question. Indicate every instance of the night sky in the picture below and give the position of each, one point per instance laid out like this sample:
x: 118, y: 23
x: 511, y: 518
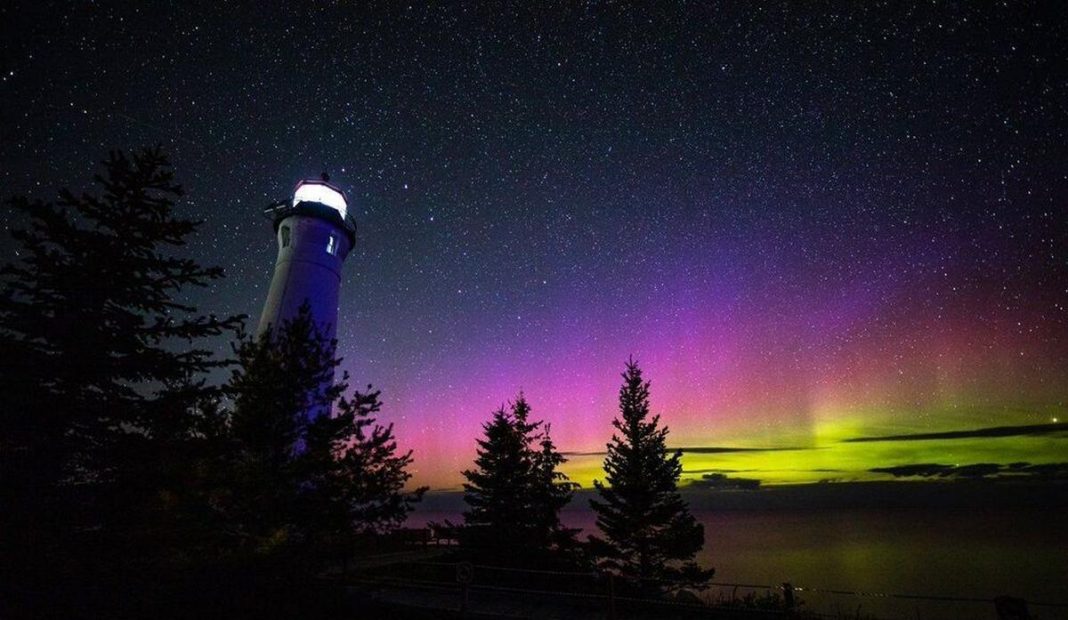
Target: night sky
x: 808, y: 224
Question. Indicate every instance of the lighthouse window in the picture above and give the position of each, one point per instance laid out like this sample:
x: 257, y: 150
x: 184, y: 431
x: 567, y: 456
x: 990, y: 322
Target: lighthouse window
x: 331, y: 245
x: 285, y: 236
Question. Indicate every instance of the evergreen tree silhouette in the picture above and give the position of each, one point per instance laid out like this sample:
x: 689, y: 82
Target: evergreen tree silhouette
x: 299, y: 486
x: 551, y: 492
x: 649, y: 536
x: 101, y: 371
x: 515, y: 492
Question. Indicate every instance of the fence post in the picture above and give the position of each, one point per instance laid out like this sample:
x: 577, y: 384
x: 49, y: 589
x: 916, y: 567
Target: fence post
x: 611, y: 596
x: 464, y: 574
x: 1011, y: 608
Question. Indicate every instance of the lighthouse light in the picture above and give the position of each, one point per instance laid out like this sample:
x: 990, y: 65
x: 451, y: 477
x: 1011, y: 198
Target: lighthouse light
x: 323, y: 194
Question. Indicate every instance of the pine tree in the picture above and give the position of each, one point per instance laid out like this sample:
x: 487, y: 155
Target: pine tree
x: 515, y: 492
x: 101, y: 370
x: 496, y: 489
x: 298, y: 486
x: 552, y: 491
x: 649, y: 536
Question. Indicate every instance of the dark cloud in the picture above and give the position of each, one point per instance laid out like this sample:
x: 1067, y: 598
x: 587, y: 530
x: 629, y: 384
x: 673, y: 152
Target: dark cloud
x: 697, y: 450
x: 724, y: 482
x: 1044, y: 471
x: 720, y: 450
x: 994, y: 431
x: 925, y: 470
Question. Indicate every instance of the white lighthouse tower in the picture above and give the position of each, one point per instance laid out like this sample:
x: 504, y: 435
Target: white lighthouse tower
x: 315, y: 233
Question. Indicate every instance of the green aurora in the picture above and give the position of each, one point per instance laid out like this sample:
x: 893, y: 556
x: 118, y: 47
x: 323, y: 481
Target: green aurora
x: 844, y: 457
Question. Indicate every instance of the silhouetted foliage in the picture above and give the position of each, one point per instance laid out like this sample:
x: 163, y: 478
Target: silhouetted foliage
x: 98, y: 399
x: 300, y: 482
x: 515, y: 492
x: 127, y: 481
x: 551, y: 491
x: 649, y: 536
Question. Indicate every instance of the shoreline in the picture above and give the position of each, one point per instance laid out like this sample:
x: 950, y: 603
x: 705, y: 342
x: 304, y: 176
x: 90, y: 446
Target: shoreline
x: 874, y: 495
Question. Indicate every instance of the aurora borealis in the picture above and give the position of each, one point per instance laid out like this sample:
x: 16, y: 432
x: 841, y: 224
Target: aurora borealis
x: 808, y: 224
x: 735, y: 364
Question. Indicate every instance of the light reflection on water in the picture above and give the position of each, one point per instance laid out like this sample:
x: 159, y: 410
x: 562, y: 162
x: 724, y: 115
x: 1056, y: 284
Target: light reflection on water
x: 980, y: 554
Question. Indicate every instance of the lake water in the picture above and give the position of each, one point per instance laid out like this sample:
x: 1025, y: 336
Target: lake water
x: 947, y: 553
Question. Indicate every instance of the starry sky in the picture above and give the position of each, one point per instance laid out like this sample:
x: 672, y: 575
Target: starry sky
x: 809, y: 224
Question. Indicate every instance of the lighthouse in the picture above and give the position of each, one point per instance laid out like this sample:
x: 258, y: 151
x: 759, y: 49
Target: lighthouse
x: 315, y: 232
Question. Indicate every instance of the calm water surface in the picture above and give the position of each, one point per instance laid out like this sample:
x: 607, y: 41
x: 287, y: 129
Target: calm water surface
x: 975, y: 554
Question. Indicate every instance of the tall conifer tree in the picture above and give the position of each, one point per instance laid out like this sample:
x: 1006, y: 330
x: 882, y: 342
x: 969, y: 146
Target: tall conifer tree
x: 515, y: 492
x: 297, y: 484
x: 649, y: 536
x: 101, y: 368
